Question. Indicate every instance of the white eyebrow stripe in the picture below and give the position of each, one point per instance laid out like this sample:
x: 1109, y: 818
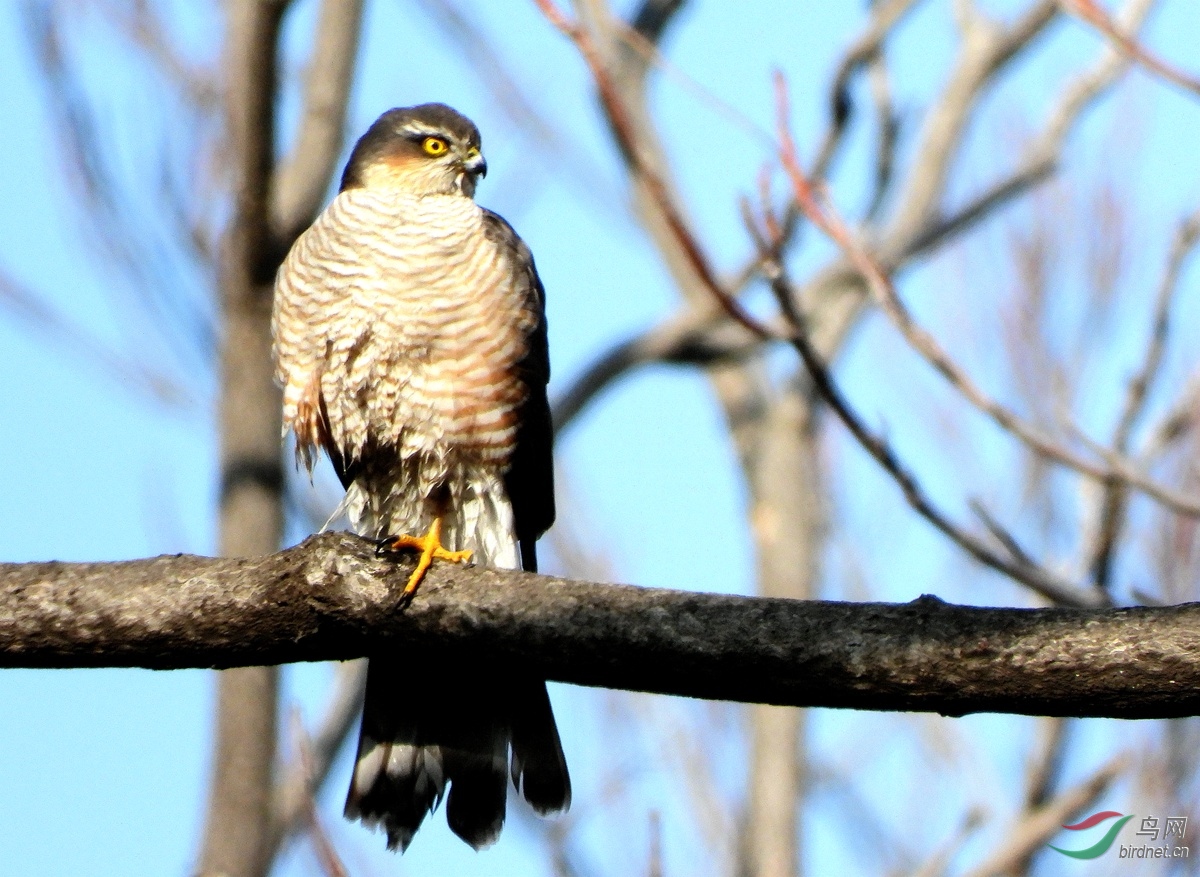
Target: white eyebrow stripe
x: 417, y: 128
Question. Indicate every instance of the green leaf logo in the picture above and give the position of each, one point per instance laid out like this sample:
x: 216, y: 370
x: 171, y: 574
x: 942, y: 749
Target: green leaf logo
x: 1101, y: 846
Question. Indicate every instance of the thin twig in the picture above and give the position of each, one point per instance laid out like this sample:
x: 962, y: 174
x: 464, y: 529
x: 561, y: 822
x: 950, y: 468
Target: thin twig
x: 1115, y: 497
x: 32, y: 308
x: 1046, y: 766
x: 1001, y: 533
x: 817, y: 209
x: 1015, y: 566
x: 985, y: 49
x: 885, y: 17
x: 888, y: 124
x: 687, y: 338
x: 294, y: 791
x: 1036, y: 827
x: 302, y: 180
x: 142, y: 24
x: 494, y: 73
x: 1090, y: 11
x: 327, y: 856
x: 907, y: 240
x: 1034, y: 577
x: 651, y: 53
x: 938, y: 864
x: 154, y: 304
x: 1177, y: 422
x: 624, y: 130
x: 1186, y: 238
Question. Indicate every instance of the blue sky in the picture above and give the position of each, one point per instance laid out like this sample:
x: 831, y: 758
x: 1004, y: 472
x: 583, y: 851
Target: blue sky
x: 102, y: 772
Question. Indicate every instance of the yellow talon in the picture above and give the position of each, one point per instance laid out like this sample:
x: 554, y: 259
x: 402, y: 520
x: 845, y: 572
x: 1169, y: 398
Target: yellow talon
x: 430, y: 546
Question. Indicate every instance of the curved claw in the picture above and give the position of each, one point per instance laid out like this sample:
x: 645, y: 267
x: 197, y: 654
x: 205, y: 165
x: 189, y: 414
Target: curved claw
x: 431, y: 548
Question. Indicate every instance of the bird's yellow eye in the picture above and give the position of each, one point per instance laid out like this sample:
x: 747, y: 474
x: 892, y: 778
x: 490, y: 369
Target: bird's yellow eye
x: 434, y: 145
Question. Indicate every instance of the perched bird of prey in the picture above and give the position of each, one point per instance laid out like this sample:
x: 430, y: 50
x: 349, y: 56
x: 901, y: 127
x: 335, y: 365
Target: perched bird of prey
x: 410, y: 340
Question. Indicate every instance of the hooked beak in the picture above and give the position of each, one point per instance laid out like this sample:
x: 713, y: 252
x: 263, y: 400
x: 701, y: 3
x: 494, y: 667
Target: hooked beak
x: 475, y: 164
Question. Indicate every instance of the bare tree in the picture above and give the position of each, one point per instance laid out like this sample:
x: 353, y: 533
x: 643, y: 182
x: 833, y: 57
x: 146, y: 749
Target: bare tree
x: 1079, y: 523
x: 271, y: 206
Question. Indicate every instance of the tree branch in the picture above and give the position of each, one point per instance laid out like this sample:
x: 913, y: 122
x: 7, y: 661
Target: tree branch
x: 693, y: 336
x: 301, y: 182
x: 235, y: 840
x: 1036, y: 827
x: 1090, y: 12
x: 885, y: 17
x: 294, y: 791
x: 331, y: 598
x: 1114, y: 498
x: 821, y: 213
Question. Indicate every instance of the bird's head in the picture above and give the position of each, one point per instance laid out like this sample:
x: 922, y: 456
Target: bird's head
x: 429, y: 149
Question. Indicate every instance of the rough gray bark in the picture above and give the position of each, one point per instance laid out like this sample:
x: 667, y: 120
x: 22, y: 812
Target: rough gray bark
x: 331, y: 598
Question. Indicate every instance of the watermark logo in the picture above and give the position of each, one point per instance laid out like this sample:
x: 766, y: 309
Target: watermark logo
x: 1172, y: 827
x: 1101, y: 846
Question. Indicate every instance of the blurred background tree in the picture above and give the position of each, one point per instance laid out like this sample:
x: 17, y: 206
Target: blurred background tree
x: 1030, y: 190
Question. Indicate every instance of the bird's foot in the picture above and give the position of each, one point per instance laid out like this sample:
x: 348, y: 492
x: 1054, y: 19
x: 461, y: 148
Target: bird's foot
x: 430, y: 548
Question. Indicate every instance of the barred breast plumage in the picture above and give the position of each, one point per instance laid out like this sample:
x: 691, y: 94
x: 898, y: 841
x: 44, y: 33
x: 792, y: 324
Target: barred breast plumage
x: 416, y: 350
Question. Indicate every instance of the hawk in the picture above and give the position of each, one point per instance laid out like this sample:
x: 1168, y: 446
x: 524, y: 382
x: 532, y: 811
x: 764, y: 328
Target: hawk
x: 410, y: 339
